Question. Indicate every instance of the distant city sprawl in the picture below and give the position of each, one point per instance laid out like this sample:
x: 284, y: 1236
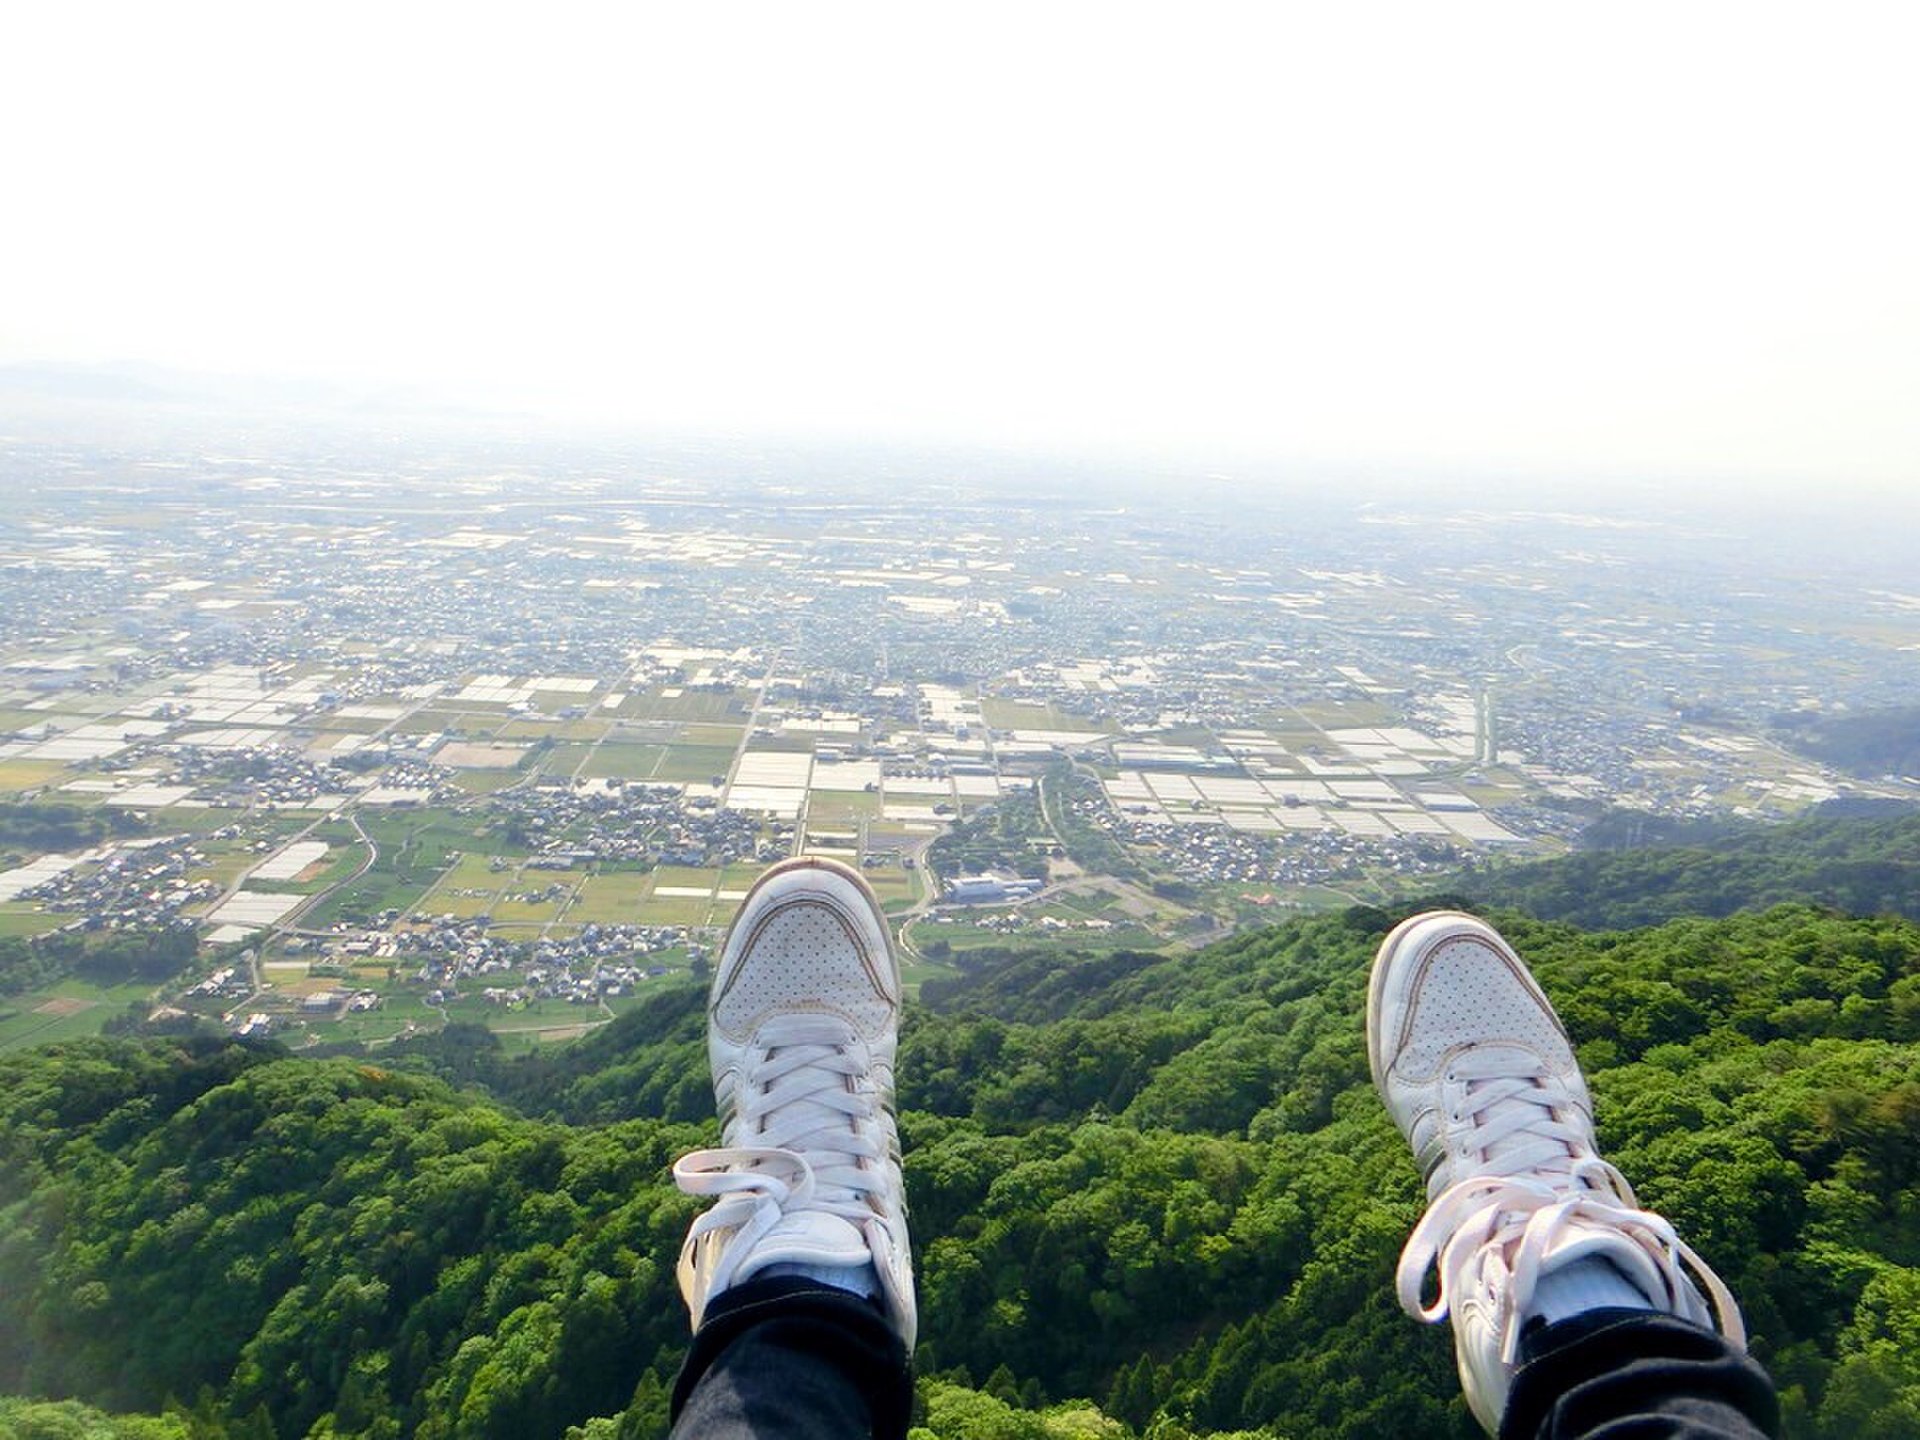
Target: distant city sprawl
x: 348, y: 746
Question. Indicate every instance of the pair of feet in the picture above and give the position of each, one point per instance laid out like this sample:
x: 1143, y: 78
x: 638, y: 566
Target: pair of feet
x: 1466, y: 1052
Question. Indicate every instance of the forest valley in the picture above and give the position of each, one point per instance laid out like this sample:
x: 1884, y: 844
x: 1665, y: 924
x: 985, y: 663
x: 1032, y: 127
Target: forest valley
x: 1150, y: 1196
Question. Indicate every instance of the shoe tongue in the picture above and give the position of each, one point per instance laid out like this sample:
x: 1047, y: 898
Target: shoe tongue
x: 1502, y: 1058
x: 1635, y: 1265
x: 809, y: 1237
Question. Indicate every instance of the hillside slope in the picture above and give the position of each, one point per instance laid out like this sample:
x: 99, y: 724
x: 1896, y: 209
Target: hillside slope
x: 1161, y: 1187
x: 1862, y: 866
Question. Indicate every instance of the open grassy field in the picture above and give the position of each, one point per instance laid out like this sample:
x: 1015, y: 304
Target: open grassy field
x: 511, y: 911
x: 470, y: 886
x: 1348, y: 714
x: 1022, y: 715
x: 339, y: 725
x: 427, y: 722
x: 694, y: 764
x: 373, y: 1027
x: 23, y: 917
x: 707, y: 706
x: 474, y: 1008
x: 485, y: 782
x: 16, y: 775
x: 617, y: 761
x: 416, y: 846
x: 726, y: 736
x: 610, y: 899
x: 686, y: 876
x: 563, y: 759
x: 678, y: 910
x: 521, y: 1040
x: 826, y: 807
x: 66, y: 1010
x: 896, y: 888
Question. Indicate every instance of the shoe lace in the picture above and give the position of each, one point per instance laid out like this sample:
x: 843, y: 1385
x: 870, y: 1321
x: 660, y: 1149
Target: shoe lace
x: 820, y: 1127
x: 1536, y: 1180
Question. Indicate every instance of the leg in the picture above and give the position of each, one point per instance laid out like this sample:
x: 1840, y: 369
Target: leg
x: 799, y: 1279
x: 1639, y: 1373
x: 791, y: 1357
x: 1575, y: 1312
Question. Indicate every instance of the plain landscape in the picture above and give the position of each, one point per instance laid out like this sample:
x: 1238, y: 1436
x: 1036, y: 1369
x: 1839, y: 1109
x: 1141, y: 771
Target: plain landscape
x: 373, y: 808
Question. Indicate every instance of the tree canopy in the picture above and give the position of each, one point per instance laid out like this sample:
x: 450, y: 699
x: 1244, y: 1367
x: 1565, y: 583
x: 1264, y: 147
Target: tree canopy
x: 1149, y: 1195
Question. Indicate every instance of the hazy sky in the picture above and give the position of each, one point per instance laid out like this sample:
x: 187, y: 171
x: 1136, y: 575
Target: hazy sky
x: 1665, y: 239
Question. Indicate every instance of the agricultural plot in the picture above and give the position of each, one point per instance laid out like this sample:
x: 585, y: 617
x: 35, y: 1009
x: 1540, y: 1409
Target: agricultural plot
x: 619, y: 761
x: 473, y: 1005
x: 27, y: 919
x: 430, y: 722
x: 514, y: 908
x: 610, y: 899
x: 735, y: 880
x: 563, y: 759
x: 725, y: 736
x: 1022, y: 715
x: 533, y: 728
x: 68, y: 1010
x: 826, y: 807
x: 694, y: 764
x: 470, y: 887
x: 681, y: 897
x: 486, y: 782
x: 394, y: 1018
x: 322, y: 874
x: 898, y: 889
x: 415, y: 848
x: 709, y: 706
x: 17, y: 775
x: 339, y: 724
x: 1347, y: 714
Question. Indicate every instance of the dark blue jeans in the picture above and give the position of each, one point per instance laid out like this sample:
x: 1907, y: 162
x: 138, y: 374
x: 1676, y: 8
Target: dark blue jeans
x: 793, y: 1358
x: 1636, y: 1375
x: 798, y: 1360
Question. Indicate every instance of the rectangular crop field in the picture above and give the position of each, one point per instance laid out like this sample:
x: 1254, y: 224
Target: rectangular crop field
x: 694, y: 764
x: 610, y: 899
x: 624, y: 762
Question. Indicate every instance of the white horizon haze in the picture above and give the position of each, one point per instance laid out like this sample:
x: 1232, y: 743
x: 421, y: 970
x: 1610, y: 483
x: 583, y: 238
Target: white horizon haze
x: 1673, y: 243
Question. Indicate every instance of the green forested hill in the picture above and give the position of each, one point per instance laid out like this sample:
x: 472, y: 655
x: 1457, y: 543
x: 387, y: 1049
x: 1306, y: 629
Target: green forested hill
x: 1148, y: 1194
x: 1880, y: 742
x: 1862, y: 866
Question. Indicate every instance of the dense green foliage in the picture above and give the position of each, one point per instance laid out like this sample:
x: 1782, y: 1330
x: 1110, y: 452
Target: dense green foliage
x: 106, y: 957
x: 326, y: 1242
x: 1000, y: 836
x: 1159, y: 1187
x: 40, y: 827
x: 1881, y: 742
x: 1071, y: 798
x: 1863, y: 866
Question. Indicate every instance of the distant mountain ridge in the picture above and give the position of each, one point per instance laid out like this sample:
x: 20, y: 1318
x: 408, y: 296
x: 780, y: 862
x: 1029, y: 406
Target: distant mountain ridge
x: 1864, y: 866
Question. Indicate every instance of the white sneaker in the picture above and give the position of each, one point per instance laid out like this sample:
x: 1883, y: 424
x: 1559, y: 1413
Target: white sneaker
x: 1478, y: 1073
x: 802, y: 1027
